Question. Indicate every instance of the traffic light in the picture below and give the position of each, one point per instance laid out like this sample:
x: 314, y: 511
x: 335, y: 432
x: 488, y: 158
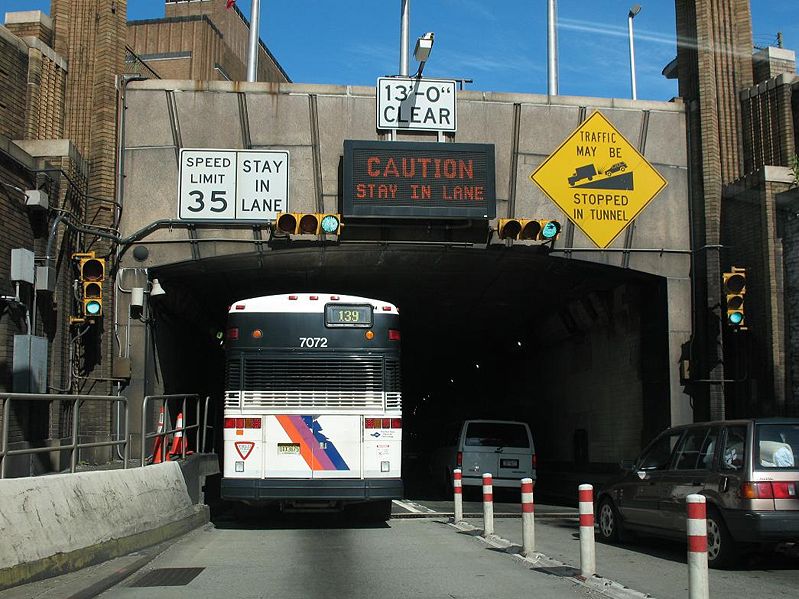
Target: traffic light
x: 524, y: 228
x: 735, y: 292
x: 310, y: 223
x: 92, y: 277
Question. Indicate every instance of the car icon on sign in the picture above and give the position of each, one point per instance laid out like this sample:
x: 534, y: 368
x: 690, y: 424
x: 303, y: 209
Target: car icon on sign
x: 619, y: 166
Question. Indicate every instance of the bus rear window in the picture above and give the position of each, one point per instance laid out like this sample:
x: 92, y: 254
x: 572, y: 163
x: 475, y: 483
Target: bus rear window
x: 497, y: 434
x: 348, y: 315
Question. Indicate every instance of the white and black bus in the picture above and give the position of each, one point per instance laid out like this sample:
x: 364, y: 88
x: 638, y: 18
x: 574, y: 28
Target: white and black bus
x: 313, y: 407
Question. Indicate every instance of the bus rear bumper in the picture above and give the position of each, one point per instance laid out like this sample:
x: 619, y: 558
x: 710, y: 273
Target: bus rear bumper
x: 277, y: 489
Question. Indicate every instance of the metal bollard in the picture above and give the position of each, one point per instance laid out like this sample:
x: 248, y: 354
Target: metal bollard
x: 457, y: 487
x: 488, y: 504
x: 528, y: 514
x: 587, y: 548
x: 697, y: 547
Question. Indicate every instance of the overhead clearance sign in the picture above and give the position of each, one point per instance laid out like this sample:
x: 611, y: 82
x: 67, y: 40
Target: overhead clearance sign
x: 250, y: 185
x: 418, y: 180
x: 599, y: 180
x: 416, y: 104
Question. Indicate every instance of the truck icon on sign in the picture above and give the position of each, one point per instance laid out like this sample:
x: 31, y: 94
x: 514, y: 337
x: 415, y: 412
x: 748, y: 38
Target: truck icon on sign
x: 583, y: 172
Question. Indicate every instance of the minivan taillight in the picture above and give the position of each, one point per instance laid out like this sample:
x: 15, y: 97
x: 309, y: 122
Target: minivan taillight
x: 534, y: 462
x: 459, y: 459
x: 768, y: 490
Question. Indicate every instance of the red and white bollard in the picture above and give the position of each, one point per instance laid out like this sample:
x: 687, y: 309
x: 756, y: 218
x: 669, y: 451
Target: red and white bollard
x: 457, y: 487
x: 488, y: 504
x: 698, y: 587
x: 587, y: 548
x: 528, y: 514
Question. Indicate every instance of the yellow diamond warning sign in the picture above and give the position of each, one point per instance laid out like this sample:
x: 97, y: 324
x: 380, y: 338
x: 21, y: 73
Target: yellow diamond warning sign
x: 598, y: 179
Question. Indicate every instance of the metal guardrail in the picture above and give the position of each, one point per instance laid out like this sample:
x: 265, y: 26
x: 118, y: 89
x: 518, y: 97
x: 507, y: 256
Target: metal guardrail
x: 74, y: 447
x: 166, y: 399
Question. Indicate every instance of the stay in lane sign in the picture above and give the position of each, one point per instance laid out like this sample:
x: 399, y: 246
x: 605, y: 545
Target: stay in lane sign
x: 233, y: 184
x: 599, y: 180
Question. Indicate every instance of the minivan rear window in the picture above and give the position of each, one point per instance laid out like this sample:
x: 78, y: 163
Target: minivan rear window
x: 777, y: 446
x: 497, y: 434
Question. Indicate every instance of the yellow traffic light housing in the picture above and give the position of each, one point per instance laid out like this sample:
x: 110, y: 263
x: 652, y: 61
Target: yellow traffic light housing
x: 91, y: 279
x: 308, y: 223
x: 734, y: 283
x: 530, y: 229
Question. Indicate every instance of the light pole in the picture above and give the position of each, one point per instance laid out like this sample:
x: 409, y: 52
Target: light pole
x: 405, y: 17
x: 636, y: 8
x: 552, y: 48
x: 252, y: 56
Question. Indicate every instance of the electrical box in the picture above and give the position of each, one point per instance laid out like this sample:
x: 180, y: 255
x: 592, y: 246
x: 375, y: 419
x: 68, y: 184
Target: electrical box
x: 45, y: 278
x: 22, y: 268
x: 37, y: 199
x: 29, y: 373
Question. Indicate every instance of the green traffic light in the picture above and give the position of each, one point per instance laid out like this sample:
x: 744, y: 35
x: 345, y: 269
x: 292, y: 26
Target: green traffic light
x: 92, y: 308
x: 330, y: 224
x: 735, y: 318
x: 550, y: 230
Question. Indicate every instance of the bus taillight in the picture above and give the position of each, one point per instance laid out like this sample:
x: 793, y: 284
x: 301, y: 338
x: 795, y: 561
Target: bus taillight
x: 242, y: 423
x: 232, y: 334
x: 382, y: 422
x: 393, y: 335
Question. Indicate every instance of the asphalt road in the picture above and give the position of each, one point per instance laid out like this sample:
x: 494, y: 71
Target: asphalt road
x: 329, y: 557
x: 419, y: 553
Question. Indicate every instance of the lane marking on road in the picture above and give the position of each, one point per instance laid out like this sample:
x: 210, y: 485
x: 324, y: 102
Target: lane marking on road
x: 414, y: 508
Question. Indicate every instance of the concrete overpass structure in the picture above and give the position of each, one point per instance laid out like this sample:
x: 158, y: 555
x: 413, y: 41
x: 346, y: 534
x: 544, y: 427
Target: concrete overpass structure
x: 586, y: 343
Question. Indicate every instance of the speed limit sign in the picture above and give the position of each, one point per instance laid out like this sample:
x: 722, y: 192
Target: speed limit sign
x: 233, y: 184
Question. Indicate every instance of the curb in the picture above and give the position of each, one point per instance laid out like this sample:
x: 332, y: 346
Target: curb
x: 62, y: 563
x: 412, y: 515
x: 540, y: 561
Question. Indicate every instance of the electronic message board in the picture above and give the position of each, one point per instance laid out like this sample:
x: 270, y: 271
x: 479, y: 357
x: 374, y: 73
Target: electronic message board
x: 388, y: 179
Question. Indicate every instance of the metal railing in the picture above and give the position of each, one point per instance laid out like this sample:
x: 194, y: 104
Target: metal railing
x: 166, y: 399
x: 75, y: 446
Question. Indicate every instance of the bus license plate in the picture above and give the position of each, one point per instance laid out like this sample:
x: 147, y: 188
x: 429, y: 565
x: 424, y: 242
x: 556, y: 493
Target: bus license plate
x: 509, y: 463
x: 288, y: 448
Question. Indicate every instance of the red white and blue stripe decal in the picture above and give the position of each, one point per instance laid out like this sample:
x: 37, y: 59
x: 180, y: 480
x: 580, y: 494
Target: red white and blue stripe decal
x: 307, y: 432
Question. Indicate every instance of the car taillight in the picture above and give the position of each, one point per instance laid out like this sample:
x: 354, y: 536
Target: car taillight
x: 534, y: 462
x: 757, y: 491
x: 396, y: 423
x: 784, y: 490
x: 459, y: 459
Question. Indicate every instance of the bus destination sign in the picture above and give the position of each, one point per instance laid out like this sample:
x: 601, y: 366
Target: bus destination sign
x: 387, y: 179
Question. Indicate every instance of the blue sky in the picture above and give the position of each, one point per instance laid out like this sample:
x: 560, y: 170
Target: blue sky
x: 499, y: 44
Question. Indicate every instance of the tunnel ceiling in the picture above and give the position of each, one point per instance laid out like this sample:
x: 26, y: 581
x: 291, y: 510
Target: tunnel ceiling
x: 436, y: 288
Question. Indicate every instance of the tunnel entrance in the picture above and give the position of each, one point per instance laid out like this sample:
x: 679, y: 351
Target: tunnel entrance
x: 578, y: 350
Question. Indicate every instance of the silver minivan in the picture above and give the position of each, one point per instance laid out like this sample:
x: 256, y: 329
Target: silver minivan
x: 748, y: 470
x: 503, y: 448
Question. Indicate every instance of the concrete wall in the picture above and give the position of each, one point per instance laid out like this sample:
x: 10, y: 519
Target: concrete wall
x: 58, y: 523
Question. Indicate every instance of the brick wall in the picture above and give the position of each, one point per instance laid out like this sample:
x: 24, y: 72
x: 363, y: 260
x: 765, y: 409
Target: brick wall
x: 789, y: 222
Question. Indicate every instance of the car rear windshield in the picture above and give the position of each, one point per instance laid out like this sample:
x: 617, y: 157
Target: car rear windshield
x: 777, y: 446
x: 497, y: 434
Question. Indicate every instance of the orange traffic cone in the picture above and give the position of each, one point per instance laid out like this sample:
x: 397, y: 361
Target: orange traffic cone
x: 179, y: 444
x: 158, y: 448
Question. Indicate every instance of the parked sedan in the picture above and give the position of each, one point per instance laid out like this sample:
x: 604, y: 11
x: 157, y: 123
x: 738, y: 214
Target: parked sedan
x: 746, y: 469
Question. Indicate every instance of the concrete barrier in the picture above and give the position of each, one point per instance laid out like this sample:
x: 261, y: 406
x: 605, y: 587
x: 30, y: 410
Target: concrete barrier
x: 50, y: 525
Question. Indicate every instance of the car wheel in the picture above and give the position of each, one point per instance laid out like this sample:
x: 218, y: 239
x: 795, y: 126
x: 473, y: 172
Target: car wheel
x: 722, y: 550
x: 609, y: 522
